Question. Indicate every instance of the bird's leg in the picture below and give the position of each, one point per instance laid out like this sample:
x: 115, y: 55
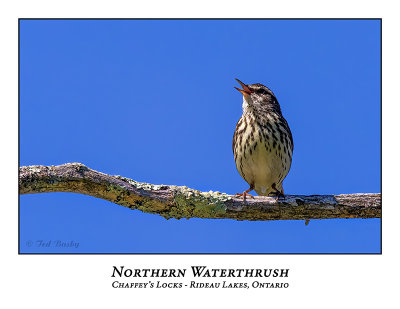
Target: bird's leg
x: 246, y: 193
x: 277, y: 192
x: 282, y: 193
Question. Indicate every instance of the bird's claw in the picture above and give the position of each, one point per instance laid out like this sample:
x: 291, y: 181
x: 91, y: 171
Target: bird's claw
x: 277, y: 193
x: 244, y: 194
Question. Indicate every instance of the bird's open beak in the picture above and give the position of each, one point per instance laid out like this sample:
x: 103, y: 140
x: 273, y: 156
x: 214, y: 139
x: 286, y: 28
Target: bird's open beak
x: 245, y: 90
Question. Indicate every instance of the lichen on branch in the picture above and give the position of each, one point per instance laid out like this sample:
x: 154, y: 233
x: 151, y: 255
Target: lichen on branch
x: 182, y: 202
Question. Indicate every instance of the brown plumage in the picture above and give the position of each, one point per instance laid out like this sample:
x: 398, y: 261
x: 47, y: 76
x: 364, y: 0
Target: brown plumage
x: 262, y: 142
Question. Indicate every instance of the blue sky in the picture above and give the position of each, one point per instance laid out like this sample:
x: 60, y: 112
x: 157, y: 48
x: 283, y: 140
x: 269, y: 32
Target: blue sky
x: 153, y: 100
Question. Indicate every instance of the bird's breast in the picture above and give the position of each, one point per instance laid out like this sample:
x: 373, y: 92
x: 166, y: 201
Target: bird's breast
x: 262, y: 153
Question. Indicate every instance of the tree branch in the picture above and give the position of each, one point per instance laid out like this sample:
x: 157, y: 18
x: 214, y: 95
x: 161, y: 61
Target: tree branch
x: 183, y: 202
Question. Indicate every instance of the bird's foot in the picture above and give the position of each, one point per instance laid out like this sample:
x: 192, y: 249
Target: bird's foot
x: 244, y: 194
x: 277, y: 193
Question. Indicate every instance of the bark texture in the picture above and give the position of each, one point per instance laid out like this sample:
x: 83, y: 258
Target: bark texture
x: 183, y: 202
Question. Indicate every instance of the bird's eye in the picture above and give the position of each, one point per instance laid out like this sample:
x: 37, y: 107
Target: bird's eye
x: 261, y: 91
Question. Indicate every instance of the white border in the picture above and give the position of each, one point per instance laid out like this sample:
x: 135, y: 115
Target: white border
x: 327, y: 281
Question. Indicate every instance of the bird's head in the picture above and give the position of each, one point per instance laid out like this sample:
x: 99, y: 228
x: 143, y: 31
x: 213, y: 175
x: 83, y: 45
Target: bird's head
x: 258, y: 97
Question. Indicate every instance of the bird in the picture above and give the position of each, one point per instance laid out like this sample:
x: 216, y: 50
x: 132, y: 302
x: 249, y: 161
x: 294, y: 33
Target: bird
x: 262, y: 143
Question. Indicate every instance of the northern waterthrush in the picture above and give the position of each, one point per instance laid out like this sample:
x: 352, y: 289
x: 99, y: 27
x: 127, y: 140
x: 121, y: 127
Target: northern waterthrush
x: 262, y: 142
